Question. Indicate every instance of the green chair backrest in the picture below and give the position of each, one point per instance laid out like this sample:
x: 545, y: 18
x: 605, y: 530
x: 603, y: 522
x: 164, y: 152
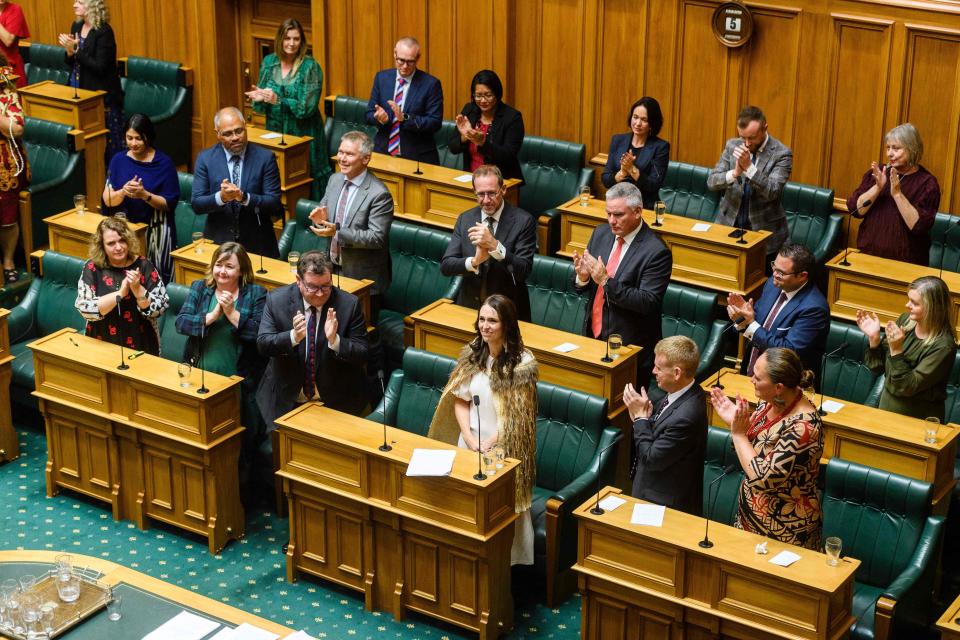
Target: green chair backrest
x: 58, y: 293
x: 952, y: 404
x: 551, y: 172
x: 879, y: 516
x: 57, y: 173
x: 303, y: 239
x: 844, y: 374
x: 45, y: 62
x: 945, y: 243
x: 809, y: 209
x: 685, y: 192
x: 172, y: 342
x: 688, y: 311
x: 424, y: 377
x: 554, y: 299
x: 349, y: 114
x: 442, y: 139
x: 569, y: 427
x: 153, y: 87
x: 720, y: 502
x: 187, y: 220
x: 415, y: 253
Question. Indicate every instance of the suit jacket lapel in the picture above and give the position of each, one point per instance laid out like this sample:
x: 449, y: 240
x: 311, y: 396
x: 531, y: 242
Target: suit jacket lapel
x: 361, y: 195
x: 506, y: 223
x: 673, y: 405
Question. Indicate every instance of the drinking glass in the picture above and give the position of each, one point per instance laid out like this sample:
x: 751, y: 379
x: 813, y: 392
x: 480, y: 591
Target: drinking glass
x: 615, y: 341
x: 931, y: 426
x: 27, y: 581
x: 833, y: 546
x: 80, y: 203
x: 197, y: 237
x: 584, y: 196
x: 64, y: 564
x: 293, y: 258
x: 659, y: 209
x: 499, y: 453
x: 183, y: 370
x: 29, y: 611
x: 47, y: 611
x: 114, y: 606
x: 488, y: 463
x: 68, y: 587
x: 9, y: 589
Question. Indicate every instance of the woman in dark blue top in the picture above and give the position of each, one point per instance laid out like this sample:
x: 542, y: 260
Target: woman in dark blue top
x: 142, y: 182
x: 639, y: 156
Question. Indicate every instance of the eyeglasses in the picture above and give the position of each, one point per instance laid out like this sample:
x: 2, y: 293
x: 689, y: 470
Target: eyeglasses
x: 484, y: 96
x: 780, y: 272
x: 233, y: 133
x: 405, y: 62
x: 314, y: 289
x: 483, y: 195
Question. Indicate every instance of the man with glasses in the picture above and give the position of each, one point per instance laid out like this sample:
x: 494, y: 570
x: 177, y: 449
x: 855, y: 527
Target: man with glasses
x: 791, y: 311
x: 238, y: 186
x: 492, y: 246
x: 406, y: 106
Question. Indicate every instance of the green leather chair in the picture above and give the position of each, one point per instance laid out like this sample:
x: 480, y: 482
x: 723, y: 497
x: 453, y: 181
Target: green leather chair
x: 45, y: 62
x: 554, y: 299
x: 811, y: 219
x: 844, y: 374
x: 47, y: 307
x: 58, y: 173
x: 689, y: 311
x: 883, y: 520
x: 296, y: 234
x: 349, y: 114
x: 186, y: 219
x: 442, y: 138
x: 413, y: 393
x: 415, y: 254
x: 945, y: 243
x: 553, y: 173
x: 720, y: 502
x: 172, y: 342
x: 685, y: 192
x: 161, y: 90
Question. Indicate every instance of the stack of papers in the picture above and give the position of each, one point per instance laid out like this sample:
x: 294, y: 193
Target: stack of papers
x: 784, y: 558
x: 431, y: 462
x: 650, y: 515
x: 245, y: 632
x: 183, y: 626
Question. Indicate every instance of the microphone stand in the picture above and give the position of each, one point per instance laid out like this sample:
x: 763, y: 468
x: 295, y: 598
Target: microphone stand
x: 123, y: 365
x: 203, y: 387
x: 385, y: 446
x: 283, y: 121
x: 597, y: 510
x: 733, y: 324
x: 261, y: 270
x: 606, y: 320
x: 418, y: 172
x: 479, y: 475
x: 706, y: 542
x: 846, y: 249
x: 823, y: 367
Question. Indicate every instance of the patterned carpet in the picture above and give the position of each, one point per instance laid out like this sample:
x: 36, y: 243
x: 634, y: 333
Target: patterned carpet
x: 249, y: 574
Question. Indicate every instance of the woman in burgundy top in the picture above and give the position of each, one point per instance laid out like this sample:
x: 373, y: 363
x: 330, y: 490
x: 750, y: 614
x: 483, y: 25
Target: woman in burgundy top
x: 898, y: 201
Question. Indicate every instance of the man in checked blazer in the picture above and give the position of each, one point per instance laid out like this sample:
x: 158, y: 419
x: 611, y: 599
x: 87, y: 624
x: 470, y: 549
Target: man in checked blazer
x: 751, y: 172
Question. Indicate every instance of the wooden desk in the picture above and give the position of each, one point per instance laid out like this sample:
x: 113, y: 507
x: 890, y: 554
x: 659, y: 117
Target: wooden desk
x: 189, y: 265
x: 879, y: 285
x: 657, y: 582
x: 438, y: 545
x: 137, y: 440
x: 9, y: 443
x: 949, y: 622
x: 707, y: 259
x: 872, y: 437
x: 70, y: 232
x: 293, y: 160
x: 435, y: 198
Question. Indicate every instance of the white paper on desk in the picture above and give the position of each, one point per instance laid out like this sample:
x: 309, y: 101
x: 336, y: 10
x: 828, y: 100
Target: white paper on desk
x: 566, y: 347
x: 467, y: 177
x: 270, y: 136
x: 700, y: 226
x: 224, y: 634
x: 784, y: 558
x: 299, y: 635
x: 611, y: 502
x: 648, y: 514
x: 431, y: 462
x: 249, y: 632
x: 831, y: 406
x: 183, y: 626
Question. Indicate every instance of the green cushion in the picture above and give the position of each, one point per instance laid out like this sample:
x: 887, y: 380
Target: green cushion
x: 952, y: 405
x: 685, y: 192
x: 554, y: 299
x: 844, y: 374
x: 721, y: 501
x: 172, y: 342
x: 158, y: 89
x: 349, y: 114
x: 390, y: 327
x: 187, y: 220
x: 811, y: 219
x: 45, y: 62
x: 691, y: 312
x: 414, y: 393
x: 863, y: 610
x: 945, y: 243
x: 553, y: 172
x: 57, y: 173
x: 442, y: 138
x: 296, y: 234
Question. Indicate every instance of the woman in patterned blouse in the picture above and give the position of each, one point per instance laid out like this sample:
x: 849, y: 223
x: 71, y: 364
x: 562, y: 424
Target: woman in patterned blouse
x: 120, y: 292
x: 779, y: 447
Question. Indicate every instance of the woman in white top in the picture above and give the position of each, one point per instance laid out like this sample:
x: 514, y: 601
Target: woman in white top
x: 497, y: 369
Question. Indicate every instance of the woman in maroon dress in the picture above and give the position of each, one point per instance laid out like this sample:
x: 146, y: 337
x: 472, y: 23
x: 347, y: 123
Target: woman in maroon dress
x: 14, y: 171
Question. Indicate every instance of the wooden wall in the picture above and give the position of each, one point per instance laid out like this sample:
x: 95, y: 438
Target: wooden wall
x: 832, y: 75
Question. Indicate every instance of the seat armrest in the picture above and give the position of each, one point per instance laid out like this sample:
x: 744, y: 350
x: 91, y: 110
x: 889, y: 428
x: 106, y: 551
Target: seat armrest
x: 585, y: 179
x: 712, y: 350
x: 824, y: 249
x: 922, y: 564
x: 22, y: 321
x: 286, y: 238
x: 389, y: 401
x: 454, y: 289
x: 583, y: 485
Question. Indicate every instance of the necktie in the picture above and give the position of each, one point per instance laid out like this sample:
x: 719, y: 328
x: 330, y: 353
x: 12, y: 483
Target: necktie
x: 743, y: 214
x: 596, y: 316
x: 393, y: 145
x: 341, y: 214
x: 489, y: 220
x: 310, y: 369
x: 660, y: 407
x: 235, y: 170
x: 767, y: 323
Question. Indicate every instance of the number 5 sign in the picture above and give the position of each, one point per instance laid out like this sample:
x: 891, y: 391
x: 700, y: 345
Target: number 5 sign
x: 732, y: 24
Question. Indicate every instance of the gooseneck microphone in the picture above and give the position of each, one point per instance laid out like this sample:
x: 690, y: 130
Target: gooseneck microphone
x: 846, y: 249
x: 418, y: 172
x: 123, y: 365
x: 730, y: 468
x: 479, y: 475
x: 283, y: 120
x: 605, y: 311
x: 823, y: 367
x: 733, y: 324
x: 384, y: 446
x: 596, y: 510
x: 261, y: 270
x: 203, y: 385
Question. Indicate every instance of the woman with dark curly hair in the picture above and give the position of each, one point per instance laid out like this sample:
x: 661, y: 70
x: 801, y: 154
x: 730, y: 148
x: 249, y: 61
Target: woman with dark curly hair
x: 496, y: 368
x: 639, y: 156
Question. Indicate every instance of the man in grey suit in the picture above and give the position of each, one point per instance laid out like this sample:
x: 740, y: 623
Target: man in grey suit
x: 362, y: 212
x: 751, y: 172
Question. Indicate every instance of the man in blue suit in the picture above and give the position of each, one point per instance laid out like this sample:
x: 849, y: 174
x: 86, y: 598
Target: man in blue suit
x: 406, y: 106
x: 238, y: 186
x: 791, y: 311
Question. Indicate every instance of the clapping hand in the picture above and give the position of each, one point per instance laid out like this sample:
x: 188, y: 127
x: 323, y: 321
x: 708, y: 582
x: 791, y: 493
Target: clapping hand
x: 397, y: 113
x: 638, y: 404
x: 133, y: 188
x: 229, y: 191
x: 895, y: 336
x: 255, y: 94
x: 738, y: 307
x: 732, y: 412
x: 741, y: 417
x: 464, y: 127
x: 131, y: 278
x: 879, y: 174
x: 869, y: 323
x: 69, y: 42
x: 598, y: 272
x: 331, y: 325
x: 742, y: 153
x: 299, y: 326
x: 380, y: 115
x: 894, y: 182
x: 582, y: 264
x: 226, y: 301
x: 481, y: 236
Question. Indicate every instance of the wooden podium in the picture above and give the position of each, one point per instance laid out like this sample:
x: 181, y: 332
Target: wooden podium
x: 48, y: 100
x: 436, y: 545
x: 9, y: 443
x: 657, y: 582
x: 872, y: 437
x: 293, y: 160
x: 708, y: 259
x: 70, y: 233
x: 137, y: 440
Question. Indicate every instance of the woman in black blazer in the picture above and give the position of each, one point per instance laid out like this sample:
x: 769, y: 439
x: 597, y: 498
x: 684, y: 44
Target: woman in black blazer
x: 639, y: 156
x: 489, y: 131
x: 91, y: 54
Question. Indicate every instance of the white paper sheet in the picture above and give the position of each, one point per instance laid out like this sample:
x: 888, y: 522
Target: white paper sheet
x: 648, y: 514
x: 183, y: 626
x: 224, y: 634
x: 431, y: 462
x: 249, y: 632
x: 700, y: 226
x: 299, y: 635
x: 566, y: 347
x: 611, y: 502
x: 467, y: 177
x: 832, y: 406
x: 270, y: 136
x: 784, y: 558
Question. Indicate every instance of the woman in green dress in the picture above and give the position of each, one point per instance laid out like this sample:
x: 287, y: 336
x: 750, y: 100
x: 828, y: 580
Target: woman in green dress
x: 917, y: 352
x: 288, y: 93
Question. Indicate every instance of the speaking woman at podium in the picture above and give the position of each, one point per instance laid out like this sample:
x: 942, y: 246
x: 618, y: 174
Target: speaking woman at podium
x: 495, y: 368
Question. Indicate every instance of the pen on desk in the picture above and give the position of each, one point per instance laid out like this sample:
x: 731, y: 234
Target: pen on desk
x: 135, y: 354
x: 73, y: 342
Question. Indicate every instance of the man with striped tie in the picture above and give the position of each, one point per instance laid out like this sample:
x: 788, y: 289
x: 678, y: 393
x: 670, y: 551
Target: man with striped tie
x: 406, y: 106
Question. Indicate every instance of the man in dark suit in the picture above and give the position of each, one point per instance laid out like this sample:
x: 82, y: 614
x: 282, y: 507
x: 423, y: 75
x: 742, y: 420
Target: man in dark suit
x: 492, y: 246
x: 238, y: 186
x: 752, y: 172
x: 406, y: 106
x: 791, y: 311
x: 625, y: 269
x: 316, y: 339
x: 670, y: 439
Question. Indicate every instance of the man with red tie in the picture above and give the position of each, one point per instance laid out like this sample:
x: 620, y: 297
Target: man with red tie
x: 626, y: 268
x: 406, y: 106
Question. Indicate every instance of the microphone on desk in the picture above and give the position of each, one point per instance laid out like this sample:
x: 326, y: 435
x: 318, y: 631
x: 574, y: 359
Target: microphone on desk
x: 730, y: 468
x: 606, y: 320
x: 123, y: 365
x: 479, y: 475
x: 733, y: 324
x: 823, y: 367
x: 418, y: 172
x: 203, y: 385
x: 384, y: 446
x: 512, y: 277
x: 596, y: 510
x: 261, y: 270
x: 846, y: 249
x: 283, y: 121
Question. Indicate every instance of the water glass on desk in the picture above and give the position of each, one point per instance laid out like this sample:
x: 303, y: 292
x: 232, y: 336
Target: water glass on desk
x: 197, y: 237
x: 80, y: 203
x: 659, y: 209
x: 614, y: 342
x: 183, y: 371
x: 68, y: 587
x: 930, y: 428
x: 114, y: 606
x: 584, y: 196
x: 832, y: 547
x: 293, y: 259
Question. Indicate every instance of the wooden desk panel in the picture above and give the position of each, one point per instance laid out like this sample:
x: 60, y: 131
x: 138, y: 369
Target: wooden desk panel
x: 70, y: 232
x: 872, y: 437
x: 949, y: 622
x: 437, y: 545
x: 641, y: 581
